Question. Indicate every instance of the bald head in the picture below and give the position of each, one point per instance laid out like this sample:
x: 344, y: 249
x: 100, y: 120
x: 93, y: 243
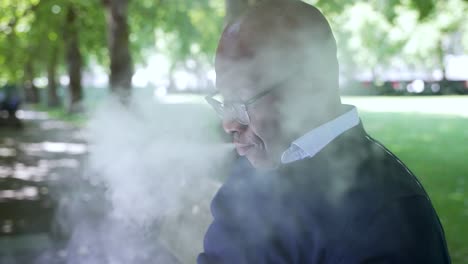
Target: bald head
x: 276, y: 40
x: 282, y: 44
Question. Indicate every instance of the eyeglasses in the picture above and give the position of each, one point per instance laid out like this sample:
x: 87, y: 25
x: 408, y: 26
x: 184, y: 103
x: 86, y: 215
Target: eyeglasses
x: 235, y: 110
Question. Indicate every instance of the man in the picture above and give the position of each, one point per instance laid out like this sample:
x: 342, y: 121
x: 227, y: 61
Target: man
x: 10, y: 102
x: 311, y: 186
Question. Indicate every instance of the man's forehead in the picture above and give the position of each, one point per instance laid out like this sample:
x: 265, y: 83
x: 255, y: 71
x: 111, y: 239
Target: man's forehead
x: 270, y: 44
x: 245, y: 78
x: 249, y: 59
x: 236, y: 82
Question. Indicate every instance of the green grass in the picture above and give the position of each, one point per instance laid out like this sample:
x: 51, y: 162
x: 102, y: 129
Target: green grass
x: 60, y: 113
x: 435, y: 148
x: 430, y: 135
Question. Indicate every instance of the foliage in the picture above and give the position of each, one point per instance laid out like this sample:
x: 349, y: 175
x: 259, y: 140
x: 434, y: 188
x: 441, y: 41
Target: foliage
x: 385, y: 7
x: 372, y: 34
x: 182, y: 28
x: 14, y: 27
x: 412, y: 29
x: 366, y: 37
x: 34, y: 27
x: 427, y: 41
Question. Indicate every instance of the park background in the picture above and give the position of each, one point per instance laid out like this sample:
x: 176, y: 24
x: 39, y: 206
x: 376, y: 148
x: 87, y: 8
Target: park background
x: 403, y: 63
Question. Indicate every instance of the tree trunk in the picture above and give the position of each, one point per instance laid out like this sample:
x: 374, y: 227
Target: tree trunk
x: 121, y: 68
x: 74, y: 62
x: 52, y: 97
x: 31, y: 91
x: 441, y: 57
x: 172, y: 82
x: 234, y: 8
x: 11, y: 55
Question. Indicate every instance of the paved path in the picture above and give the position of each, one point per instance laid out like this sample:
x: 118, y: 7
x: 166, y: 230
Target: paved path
x: 48, y: 213
x: 37, y: 163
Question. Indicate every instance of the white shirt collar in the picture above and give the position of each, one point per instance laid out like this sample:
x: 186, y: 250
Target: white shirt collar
x: 315, y: 140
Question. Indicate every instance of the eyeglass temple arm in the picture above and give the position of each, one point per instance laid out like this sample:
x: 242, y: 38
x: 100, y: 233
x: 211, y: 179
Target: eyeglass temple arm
x: 211, y: 95
x: 260, y: 95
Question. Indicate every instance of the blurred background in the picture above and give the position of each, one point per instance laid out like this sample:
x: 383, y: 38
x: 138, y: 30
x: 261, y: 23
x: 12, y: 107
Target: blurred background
x: 403, y: 63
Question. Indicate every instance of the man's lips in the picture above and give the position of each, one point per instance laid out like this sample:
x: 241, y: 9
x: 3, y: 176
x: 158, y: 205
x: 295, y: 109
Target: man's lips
x: 243, y: 149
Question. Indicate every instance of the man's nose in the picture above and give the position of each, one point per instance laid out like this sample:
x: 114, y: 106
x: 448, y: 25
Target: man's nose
x: 231, y: 125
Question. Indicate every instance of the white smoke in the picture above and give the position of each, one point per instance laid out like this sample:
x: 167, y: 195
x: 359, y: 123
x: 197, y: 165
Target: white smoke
x: 160, y: 165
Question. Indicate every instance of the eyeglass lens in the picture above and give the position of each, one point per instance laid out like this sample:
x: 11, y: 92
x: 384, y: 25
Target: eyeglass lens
x: 232, y: 111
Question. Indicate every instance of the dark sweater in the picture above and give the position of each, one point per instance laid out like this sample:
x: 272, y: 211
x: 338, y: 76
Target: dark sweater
x: 353, y: 202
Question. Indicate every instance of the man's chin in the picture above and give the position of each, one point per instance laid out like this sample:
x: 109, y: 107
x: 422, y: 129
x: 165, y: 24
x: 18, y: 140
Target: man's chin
x: 261, y: 161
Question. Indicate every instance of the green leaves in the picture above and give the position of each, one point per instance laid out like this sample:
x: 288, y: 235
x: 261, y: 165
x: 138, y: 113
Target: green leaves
x: 389, y: 34
x: 369, y: 32
x: 188, y: 22
x: 425, y: 7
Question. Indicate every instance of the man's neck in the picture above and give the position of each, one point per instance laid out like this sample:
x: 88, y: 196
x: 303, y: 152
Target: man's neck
x: 310, y: 143
x: 311, y: 122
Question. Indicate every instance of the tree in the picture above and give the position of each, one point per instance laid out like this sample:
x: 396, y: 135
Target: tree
x: 82, y: 36
x: 365, y: 38
x: 375, y: 34
x: 52, y: 96
x: 182, y: 30
x: 121, y: 65
x: 73, y: 58
x: 44, y: 35
x: 427, y: 41
x: 16, y: 52
x: 30, y: 89
x: 449, y: 19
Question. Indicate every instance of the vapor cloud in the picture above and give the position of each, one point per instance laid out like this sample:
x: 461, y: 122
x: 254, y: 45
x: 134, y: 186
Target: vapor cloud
x: 160, y: 165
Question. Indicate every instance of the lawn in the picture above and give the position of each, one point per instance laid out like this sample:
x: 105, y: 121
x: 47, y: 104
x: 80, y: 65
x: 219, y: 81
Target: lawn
x: 431, y: 137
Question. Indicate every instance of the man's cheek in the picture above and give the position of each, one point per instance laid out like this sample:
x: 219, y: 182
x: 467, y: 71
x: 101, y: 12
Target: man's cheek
x: 269, y: 129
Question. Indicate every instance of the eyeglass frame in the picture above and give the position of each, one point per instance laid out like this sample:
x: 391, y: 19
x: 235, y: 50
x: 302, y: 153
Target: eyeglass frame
x: 220, y: 107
